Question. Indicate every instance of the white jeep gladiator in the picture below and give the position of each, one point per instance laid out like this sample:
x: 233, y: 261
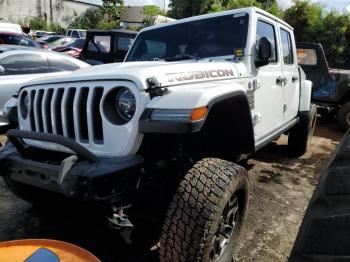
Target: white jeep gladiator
x: 168, y: 126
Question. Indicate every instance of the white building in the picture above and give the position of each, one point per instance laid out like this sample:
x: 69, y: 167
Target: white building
x: 134, y: 16
x: 56, y: 11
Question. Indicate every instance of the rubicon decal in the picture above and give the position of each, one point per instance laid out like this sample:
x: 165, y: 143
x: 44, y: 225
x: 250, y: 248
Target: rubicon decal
x: 198, y: 75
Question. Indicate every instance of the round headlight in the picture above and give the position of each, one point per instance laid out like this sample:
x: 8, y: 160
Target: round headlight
x: 24, y: 104
x: 125, y: 103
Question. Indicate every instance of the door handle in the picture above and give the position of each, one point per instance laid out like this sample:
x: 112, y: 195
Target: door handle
x: 295, y: 78
x: 280, y: 80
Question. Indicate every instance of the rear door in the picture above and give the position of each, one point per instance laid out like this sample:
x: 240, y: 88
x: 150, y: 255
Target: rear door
x: 291, y: 85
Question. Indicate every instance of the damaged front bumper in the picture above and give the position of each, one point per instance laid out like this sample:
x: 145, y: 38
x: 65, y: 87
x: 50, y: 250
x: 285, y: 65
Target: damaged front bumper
x: 81, y: 175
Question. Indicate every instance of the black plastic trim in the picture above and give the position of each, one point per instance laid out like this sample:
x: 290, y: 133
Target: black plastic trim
x: 146, y: 125
x: 16, y: 136
x: 104, y: 180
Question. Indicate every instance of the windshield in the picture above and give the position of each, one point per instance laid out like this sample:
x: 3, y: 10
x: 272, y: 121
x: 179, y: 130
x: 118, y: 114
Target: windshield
x: 213, y: 37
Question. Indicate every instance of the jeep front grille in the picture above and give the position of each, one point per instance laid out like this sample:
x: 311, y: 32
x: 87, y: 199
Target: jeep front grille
x: 71, y: 112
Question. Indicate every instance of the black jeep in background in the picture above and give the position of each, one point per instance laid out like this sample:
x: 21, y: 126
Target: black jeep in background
x: 106, y: 46
x: 331, y: 87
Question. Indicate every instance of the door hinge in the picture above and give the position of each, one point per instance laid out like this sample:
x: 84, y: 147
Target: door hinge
x: 256, y: 119
x: 256, y: 84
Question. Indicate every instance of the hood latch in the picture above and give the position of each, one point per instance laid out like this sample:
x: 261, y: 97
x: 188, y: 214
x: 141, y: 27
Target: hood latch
x: 154, y: 88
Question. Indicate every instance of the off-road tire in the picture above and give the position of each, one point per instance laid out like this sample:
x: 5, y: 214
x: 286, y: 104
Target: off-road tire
x: 300, y: 135
x: 31, y: 194
x: 343, y: 116
x: 195, y: 212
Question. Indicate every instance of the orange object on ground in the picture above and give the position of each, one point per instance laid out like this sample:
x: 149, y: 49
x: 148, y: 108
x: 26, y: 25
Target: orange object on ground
x: 20, y: 250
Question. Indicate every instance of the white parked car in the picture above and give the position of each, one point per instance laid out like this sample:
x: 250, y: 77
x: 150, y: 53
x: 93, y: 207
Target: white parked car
x: 19, y: 64
x: 159, y: 136
x: 11, y: 28
x: 76, y: 33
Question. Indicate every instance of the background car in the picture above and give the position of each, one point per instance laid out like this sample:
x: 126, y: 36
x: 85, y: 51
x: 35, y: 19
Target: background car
x: 107, y: 46
x: 9, y: 38
x: 76, y: 33
x: 46, y: 40
x: 71, y: 48
x: 19, y: 65
x: 9, y: 27
x: 60, y: 41
x: 37, y: 34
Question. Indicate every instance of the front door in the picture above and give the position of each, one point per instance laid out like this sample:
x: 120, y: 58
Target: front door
x: 268, y: 112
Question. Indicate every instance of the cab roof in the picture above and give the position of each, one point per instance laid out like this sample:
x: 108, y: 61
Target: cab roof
x: 248, y: 10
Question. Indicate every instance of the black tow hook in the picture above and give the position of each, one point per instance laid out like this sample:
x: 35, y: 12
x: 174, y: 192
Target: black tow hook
x: 120, y: 221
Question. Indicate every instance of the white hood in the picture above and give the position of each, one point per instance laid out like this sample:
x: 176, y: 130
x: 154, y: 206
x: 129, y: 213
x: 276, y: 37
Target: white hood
x: 168, y: 74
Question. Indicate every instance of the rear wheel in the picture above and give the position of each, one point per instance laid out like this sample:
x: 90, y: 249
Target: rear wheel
x: 343, y: 116
x: 300, y: 135
x: 206, y: 214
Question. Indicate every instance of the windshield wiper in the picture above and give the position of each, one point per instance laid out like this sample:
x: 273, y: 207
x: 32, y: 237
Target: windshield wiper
x: 182, y: 57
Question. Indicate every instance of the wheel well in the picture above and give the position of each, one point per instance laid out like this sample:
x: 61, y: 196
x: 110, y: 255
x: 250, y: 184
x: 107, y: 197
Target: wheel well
x: 226, y: 133
x: 229, y: 126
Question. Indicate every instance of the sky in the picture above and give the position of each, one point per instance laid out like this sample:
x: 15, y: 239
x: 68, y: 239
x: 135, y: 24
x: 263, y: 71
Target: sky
x: 340, y: 5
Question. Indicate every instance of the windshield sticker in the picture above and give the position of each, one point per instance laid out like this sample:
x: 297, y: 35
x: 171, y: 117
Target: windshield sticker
x: 198, y: 75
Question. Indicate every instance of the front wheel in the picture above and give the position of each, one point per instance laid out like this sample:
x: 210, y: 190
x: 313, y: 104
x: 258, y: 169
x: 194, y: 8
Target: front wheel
x: 206, y: 214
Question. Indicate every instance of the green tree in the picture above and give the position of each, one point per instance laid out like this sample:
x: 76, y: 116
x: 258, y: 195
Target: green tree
x: 305, y: 17
x: 150, y: 12
x: 37, y: 23
x: 275, y: 10
x: 312, y: 23
x: 88, y: 20
x: 111, y: 9
x: 234, y: 4
x: 185, y: 8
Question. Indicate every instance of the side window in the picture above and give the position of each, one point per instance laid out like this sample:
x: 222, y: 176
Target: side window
x: 287, y: 47
x: 22, y: 64
x: 124, y: 43
x: 100, y: 43
x: 75, y: 34
x: 307, y: 56
x: 58, y: 64
x: 267, y: 30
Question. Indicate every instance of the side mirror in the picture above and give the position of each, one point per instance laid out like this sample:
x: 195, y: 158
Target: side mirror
x: 2, y: 70
x: 264, y: 52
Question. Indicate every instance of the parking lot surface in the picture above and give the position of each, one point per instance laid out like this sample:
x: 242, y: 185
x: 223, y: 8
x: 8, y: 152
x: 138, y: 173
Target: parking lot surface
x: 281, y: 188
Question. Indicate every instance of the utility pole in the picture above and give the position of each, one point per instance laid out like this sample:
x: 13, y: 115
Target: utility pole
x: 51, y: 12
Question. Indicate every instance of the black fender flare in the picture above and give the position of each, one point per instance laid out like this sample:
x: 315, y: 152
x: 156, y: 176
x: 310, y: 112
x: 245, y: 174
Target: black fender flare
x: 229, y: 118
